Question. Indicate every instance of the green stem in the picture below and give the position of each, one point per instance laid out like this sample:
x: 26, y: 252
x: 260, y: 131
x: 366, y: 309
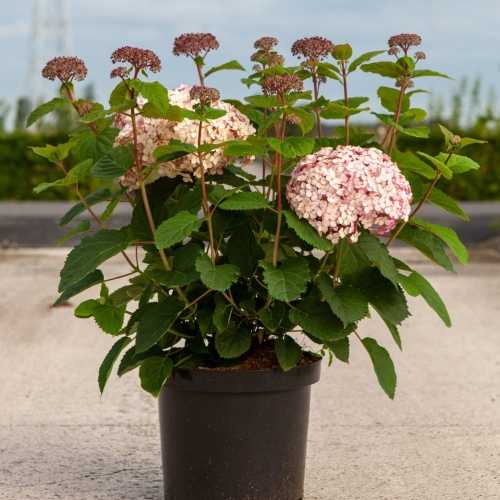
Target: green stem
x: 346, y: 102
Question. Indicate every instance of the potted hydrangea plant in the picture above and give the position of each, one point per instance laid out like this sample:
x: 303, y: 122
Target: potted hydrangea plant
x: 242, y: 278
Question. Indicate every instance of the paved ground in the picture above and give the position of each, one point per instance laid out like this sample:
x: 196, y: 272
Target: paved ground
x: 439, y: 440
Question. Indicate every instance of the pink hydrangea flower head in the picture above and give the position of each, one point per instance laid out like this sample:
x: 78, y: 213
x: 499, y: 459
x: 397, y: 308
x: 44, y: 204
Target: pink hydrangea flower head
x: 344, y: 190
x: 155, y: 132
x: 65, y: 69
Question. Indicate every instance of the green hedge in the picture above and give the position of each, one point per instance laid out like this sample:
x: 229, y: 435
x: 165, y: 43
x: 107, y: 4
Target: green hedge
x: 21, y: 170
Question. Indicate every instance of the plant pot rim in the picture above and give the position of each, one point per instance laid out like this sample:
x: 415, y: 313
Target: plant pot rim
x: 234, y: 381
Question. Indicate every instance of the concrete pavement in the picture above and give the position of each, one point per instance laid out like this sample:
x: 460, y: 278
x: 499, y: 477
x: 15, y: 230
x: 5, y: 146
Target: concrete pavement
x: 439, y: 440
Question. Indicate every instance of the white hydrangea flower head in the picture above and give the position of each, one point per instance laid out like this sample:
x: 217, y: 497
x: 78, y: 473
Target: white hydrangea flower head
x: 344, y: 190
x: 155, y: 132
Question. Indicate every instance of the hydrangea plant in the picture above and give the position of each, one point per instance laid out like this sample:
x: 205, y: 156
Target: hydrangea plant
x: 228, y: 260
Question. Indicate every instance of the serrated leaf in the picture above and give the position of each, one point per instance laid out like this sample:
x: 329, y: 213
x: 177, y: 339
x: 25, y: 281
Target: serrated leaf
x: 154, y: 92
x: 155, y: 320
x: 114, y: 164
x: 383, y: 68
x: 244, y: 251
x: 415, y: 284
x: 364, y: 58
x: 154, y: 373
x: 378, y: 255
x: 82, y: 227
x: 306, y: 232
x: 383, y: 366
x: 429, y: 244
x: 109, y: 317
x: 216, y: 277
x: 273, y: 316
x: 232, y: 343
x: 292, y: 147
x: 448, y: 235
x: 76, y: 174
x: 172, y: 151
x: 316, y: 319
x: 240, y: 148
x: 389, y: 98
x: 86, y: 308
x: 90, y: 200
x: 89, y: 254
x: 440, y: 165
x: 109, y: 361
x: 94, y: 278
x: 46, y: 108
x: 409, y: 162
x: 233, y: 65
x: 340, y: 349
x: 288, y: 352
x: 245, y: 200
x: 289, y: 280
x: 458, y: 164
x: 176, y: 229
x: 346, y: 301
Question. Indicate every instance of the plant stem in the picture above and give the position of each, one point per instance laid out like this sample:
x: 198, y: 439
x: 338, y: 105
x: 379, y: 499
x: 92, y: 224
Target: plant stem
x: 346, y: 101
x: 390, y: 138
x: 278, y: 165
x: 315, y: 80
x: 338, y: 261
x: 204, y: 197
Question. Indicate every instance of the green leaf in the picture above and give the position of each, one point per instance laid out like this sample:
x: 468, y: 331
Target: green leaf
x: 176, y: 229
x: 86, y: 308
x: 342, y: 52
x: 172, y: 151
x: 440, y: 165
x: 292, y: 147
x: 232, y: 343
x: 44, y: 109
x: 289, y: 280
x: 346, y: 301
x: 234, y: 65
x: 446, y: 202
x: 415, y: 284
x: 429, y: 244
x: 316, y: 319
x: 383, y: 68
x: 389, y: 98
x: 109, y: 317
x: 383, y: 366
x: 94, y: 278
x: 154, y: 92
x: 114, y: 164
x: 448, y: 235
x: 305, y: 119
x: 245, y: 200
x: 263, y: 101
x: 338, y: 110
x: 109, y: 361
x: 154, y: 372
x: 307, y: 233
x: 76, y: 174
x: 273, y: 316
x: 90, y: 253
x: 408, y: 161
x: 387, y: 299
x: 458, y: 164
x: 156, y: 318
x: 428, y: 72
x: 54, y: 154
x: 216, y: 277
x: 340, y: 349
x: 288, y: 352
x: 364, y: 58
x: 378, y: 255
x: 90, y: 200
x: 82, y: 227
x: 244, y: 251
x: 393, y: 330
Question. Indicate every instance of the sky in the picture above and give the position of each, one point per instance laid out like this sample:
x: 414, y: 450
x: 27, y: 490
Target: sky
x: 460, y: 37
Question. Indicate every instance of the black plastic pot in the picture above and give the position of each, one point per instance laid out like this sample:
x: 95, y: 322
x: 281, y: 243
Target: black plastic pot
x: 229, y: 435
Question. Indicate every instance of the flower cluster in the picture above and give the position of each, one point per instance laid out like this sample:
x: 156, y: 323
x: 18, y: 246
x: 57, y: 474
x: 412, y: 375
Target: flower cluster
x: 403, y: 41
x: 345, y: 190
x: 140, y: 59
x: 282, y: 84
x: 153, y: 132
x: 195, y: 44
x: 265, y: 54
x: 65, y: 69
x: 314, y: 48
x: 205, y: 95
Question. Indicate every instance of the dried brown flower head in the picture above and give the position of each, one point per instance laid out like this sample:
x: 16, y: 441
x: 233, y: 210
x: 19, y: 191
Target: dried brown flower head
x: 65, y: 69
x: 120, y: 72
x: 266, y: 43
x: 205, y: 95
x: 282, y: 84
x: 404, y: 41
x: 394, y: 51
x: 313, y: 48
x: 195, y: 44
x: 420, y: 56
x: 140, y: 59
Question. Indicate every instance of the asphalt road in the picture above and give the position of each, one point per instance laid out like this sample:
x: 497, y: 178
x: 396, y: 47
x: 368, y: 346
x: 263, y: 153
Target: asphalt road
x: 439, y: 439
